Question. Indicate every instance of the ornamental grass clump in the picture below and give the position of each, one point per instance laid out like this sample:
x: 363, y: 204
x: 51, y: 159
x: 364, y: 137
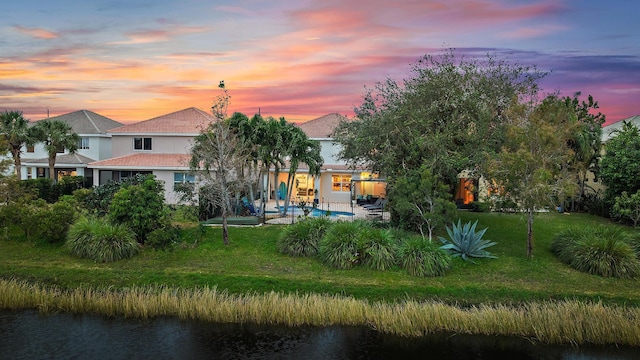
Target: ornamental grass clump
x: 101, y: 241
x: 602, y: 250
x: 302, y: 238
x: 340, y: 248
x: 378, y: 249
x: 421, y: 257
x: 465, y: 242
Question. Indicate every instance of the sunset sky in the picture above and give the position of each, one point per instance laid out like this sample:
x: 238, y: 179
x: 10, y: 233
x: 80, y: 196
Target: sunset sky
x: 134, y: 60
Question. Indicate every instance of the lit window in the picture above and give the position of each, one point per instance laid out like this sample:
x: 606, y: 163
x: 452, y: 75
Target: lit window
x: 31, y: 148
x: 141, y: 143
x: 341, y: 182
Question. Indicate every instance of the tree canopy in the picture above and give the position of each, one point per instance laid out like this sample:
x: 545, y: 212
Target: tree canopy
x: 620, y: 165
x: 16, y: 133
x: 533, y: 167
x: 56, y: 136
x: 445, y: 117
x: 277, y: 144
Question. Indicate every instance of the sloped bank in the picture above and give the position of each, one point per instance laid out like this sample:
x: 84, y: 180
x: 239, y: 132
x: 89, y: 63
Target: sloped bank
x: 552, y: 322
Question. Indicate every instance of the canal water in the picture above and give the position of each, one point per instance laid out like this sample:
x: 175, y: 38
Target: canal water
x: 30, y: 335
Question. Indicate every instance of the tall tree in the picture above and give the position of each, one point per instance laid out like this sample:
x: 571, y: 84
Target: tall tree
x: 217, y: 156
x: 16, y: 133
x: 444, y: 117
x: 301, y: 150
x: 586, y: 141
x: 56, y: 136
x: 248, y: 132
x: 533, y: 166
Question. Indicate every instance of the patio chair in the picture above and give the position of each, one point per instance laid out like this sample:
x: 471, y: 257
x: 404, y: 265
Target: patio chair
x: 376, y: 204
x: 378, y: 207
x: 249, y: 205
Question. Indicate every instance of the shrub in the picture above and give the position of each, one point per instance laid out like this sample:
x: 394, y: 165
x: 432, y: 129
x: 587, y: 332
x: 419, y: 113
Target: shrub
x: 627, y: 207
x: 378, y: 249
x: 479, y: 206
x: 54, y: 220
x: 140, y: 207
x: 101, y: 196
x: 465, y: 242
x: 99, y: 240
x: 421, y: 257
x: 302, y: 238
x: 603, y: 251
x: 564, y: 243
x: 339, y: 248
x: 163, y: 238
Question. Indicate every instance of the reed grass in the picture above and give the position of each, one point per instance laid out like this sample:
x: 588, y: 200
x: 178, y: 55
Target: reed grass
x: 551, y: 322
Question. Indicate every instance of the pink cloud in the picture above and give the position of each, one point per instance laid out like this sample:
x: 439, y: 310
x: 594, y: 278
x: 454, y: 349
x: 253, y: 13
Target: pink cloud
x: 531, y: 32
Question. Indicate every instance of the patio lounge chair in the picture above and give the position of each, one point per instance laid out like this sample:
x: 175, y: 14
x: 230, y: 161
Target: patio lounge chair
x: 375, y: 204
x: 378, y: 207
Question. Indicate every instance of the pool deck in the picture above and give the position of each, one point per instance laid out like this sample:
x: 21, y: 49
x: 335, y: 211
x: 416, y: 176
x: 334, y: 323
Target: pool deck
x: 358, y: 213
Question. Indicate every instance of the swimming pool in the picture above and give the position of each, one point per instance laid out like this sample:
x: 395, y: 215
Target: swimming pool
x: 314, y: 212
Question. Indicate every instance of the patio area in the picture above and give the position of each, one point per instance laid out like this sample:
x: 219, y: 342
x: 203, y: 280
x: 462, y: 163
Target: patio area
x: 336, y: 211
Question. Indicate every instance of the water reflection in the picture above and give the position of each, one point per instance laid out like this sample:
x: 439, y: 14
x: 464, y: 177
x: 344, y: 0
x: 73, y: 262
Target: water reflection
x: 29, y: 335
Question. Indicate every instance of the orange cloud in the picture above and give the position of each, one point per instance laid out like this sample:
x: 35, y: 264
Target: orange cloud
x: 36, y: 32
x: 159, y: 35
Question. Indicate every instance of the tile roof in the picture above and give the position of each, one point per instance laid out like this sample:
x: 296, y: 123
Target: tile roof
x: 186, y: 121
x: 302, y: 167
x: 322, y: 127
x: 86, y: 122
x: 75, y: 159
x: 145, y: 161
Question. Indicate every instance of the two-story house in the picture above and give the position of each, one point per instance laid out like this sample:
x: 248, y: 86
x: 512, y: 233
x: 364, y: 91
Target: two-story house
x: 158, y: 146
x: 94, y: 144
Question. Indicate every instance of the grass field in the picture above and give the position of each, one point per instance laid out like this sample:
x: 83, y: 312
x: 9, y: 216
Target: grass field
x: 249, y: 281
x: 252, y: 264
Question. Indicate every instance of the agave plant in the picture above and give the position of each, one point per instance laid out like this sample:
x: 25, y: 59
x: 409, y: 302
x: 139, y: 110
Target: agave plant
x: 466, y: 242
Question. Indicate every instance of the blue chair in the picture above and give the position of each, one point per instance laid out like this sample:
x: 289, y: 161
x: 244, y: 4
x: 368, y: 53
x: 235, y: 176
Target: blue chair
x: 248, y: 205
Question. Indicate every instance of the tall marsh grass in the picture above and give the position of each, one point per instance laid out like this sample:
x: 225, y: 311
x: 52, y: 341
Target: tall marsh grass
x: 553, y: 322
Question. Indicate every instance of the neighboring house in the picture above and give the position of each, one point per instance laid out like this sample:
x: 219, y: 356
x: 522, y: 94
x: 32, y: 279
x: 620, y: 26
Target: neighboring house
x: 160, y: 146
x: 609, y: 131
x: 337, y: 181
x: 95, y: 144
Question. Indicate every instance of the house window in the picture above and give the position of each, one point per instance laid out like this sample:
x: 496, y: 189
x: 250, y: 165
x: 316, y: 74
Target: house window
x: 182, y: 179
x: 31, y: 148
x: 340, y: 182
x: 83, y: 143
x: 141, y: 143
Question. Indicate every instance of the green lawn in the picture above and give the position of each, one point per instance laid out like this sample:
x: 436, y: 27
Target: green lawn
x: 252, y: 264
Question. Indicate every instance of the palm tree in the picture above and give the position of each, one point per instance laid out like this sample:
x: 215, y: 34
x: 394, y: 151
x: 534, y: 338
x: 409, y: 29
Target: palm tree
x: 301, y: 150
x: 57, y: 136
x: 15, y: 131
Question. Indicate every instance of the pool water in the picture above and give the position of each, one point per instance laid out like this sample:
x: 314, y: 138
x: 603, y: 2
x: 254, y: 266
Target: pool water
x: 314, y: 212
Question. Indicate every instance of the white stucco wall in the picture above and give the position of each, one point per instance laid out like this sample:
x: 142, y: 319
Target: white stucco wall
x: 122, y: 145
